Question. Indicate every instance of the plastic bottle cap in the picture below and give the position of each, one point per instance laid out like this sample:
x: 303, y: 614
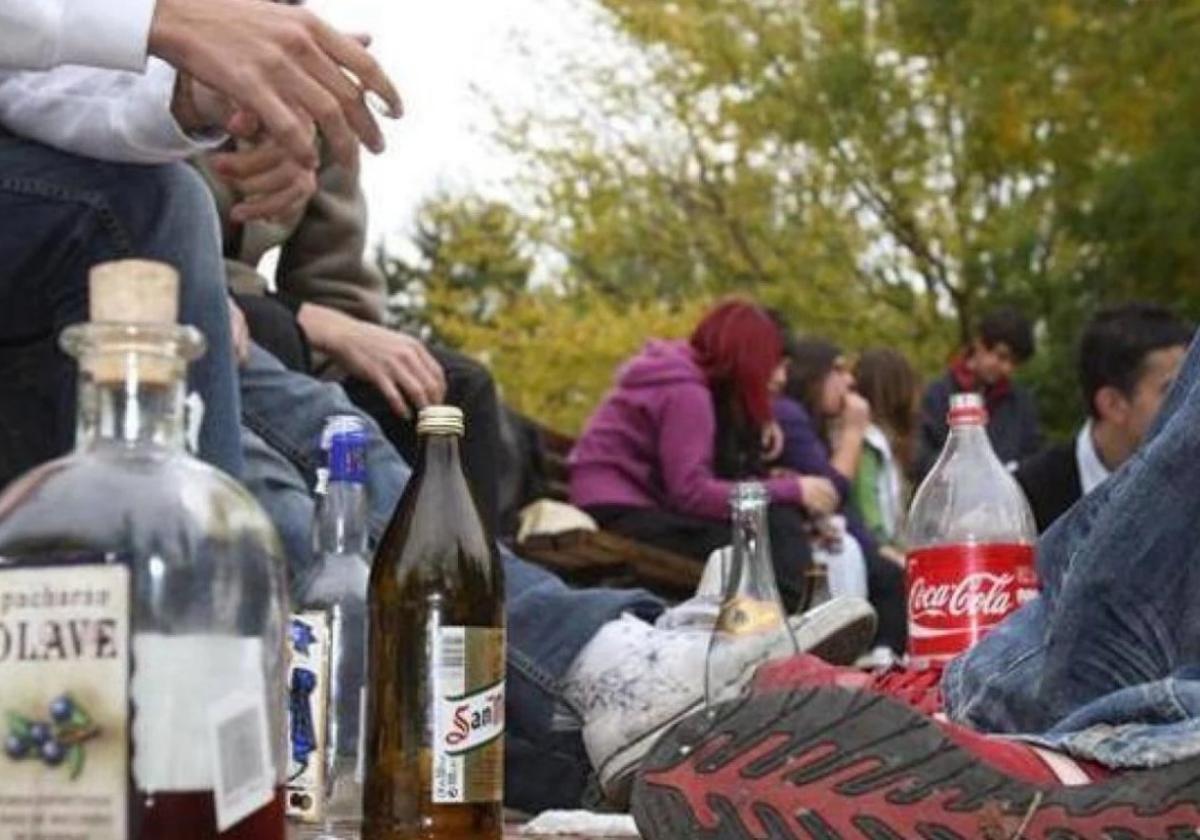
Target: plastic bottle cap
x: 440, y: 420
x: 966, y: 409
x: 348, y: 457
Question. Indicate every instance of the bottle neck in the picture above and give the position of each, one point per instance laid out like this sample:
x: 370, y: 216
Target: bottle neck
x: 341, y: 526
x: 136, y: 411
x: 131, y: 383
x: 967, y: 435
x: 440, y: 455
x: 750, y: 528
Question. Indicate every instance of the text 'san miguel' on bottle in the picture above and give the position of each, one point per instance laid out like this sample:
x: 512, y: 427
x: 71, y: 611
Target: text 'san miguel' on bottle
x: 328, y: 645
x: 435, y: 679
x: 143, y: 606
x: 970, y: 537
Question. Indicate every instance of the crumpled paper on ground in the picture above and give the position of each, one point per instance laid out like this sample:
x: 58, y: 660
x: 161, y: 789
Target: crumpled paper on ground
x: 581, y: 822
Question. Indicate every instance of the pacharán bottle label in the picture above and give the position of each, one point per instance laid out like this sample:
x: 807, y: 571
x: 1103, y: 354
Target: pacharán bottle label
x: 468, y: 736
x: 64, y: 695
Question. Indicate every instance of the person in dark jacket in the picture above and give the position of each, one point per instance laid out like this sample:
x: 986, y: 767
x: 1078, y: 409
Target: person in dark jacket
x: 646, y: 465
x: 1003, y: 342
x: 1128, y: 358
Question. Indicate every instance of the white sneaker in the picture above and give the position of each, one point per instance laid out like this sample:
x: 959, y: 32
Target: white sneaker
x: 633, y: 681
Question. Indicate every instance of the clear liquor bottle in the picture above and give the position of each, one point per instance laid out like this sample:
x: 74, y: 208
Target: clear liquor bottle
x: 329, y: 636
x: 751, y: 614
x: 144, y: 597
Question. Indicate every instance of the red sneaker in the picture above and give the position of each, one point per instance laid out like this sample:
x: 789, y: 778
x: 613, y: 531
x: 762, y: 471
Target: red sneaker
x: 829, y: 763
x: 919, y: 688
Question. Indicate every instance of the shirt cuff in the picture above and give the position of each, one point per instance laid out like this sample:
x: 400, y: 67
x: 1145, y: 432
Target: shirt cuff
x: 105, y: 33
x: 152, y: 127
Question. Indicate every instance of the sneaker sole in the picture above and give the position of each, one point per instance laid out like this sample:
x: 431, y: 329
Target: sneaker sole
x: 832, y: 764
x: 838, y: 648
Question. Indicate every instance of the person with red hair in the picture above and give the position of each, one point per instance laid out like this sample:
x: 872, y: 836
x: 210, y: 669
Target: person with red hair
x: 684, y: 421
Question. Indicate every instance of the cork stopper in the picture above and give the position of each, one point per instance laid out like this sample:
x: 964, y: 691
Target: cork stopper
x: 134, y: 292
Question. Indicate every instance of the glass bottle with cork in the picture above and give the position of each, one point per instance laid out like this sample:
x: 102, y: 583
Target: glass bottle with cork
x: 435, y: 681
x: 146, y: 594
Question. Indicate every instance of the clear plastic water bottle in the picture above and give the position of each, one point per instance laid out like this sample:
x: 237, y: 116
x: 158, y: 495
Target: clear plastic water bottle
x: 970, y: 538
x: 329, y: 648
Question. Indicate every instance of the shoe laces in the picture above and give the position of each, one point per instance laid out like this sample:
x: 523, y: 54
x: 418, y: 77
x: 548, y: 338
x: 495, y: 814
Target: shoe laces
x: 917, y: 687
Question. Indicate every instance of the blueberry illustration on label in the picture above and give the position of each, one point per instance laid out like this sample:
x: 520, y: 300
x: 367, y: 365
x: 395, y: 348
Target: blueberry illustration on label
x: 302, y: 636
x: 57, y: 741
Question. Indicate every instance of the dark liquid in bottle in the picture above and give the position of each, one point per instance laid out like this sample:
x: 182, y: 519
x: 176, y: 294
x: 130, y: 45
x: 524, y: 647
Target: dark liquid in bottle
x: 436, y: 567
x: 192, y: 815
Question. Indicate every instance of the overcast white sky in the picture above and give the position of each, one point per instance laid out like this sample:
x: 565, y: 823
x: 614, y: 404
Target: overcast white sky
x: 437, y: 51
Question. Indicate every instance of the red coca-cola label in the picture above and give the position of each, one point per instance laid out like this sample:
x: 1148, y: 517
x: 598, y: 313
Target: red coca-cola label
x: 956, y: 593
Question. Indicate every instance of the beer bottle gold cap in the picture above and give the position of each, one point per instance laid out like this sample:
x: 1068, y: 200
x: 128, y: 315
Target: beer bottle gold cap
x: 440, y: 420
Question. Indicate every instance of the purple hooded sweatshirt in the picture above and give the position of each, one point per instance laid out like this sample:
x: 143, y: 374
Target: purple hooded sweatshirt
x: 650, y: 443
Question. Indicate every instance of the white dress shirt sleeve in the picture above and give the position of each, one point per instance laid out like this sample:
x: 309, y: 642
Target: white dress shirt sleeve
x: 40, y: 34
x: 105, y: 114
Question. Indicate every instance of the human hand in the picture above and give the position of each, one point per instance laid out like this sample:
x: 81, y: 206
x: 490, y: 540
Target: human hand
x: 397, y: 364
x: 268, y: 181
x: 282, y: 63
x: 818, y: 494
x: 240, y: 332
x: 856, y: 413
x: 772, y: 441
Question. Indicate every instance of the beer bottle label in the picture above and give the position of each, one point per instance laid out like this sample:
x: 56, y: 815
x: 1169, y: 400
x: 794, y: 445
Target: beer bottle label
x: 64, y: 695
x: 309, y: 649
x: 468, y: 719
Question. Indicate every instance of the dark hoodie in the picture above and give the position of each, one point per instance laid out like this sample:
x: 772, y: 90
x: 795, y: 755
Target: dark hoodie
x: 650, y: 443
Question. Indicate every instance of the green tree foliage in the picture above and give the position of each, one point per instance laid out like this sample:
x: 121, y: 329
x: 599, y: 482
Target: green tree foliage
x: 881, y: 171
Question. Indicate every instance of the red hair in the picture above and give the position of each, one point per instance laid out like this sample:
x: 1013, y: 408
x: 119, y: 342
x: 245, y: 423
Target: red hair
x: 738, y: 346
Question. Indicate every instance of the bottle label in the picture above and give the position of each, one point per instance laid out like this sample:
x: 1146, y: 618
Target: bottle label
x: 244, y: 779
x: 193, y: 728
x: 64, y: 695
x: 746, y: 616
x: 957, y: 593
x: 310, y: 647
x: 468, y: 719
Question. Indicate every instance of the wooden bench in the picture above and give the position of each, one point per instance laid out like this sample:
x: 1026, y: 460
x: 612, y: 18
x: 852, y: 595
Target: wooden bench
x: 604, y: 558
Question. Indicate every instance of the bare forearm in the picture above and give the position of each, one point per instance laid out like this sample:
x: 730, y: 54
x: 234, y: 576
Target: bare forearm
x: 847, y: 451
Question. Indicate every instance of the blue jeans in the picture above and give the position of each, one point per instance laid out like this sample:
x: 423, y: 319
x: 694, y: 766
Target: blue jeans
x: 1106, y: 662
x: 548, y: 622
x: 60, y: 215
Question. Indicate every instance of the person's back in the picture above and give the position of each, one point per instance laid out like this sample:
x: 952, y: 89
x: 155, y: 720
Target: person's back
x: 623, y: 455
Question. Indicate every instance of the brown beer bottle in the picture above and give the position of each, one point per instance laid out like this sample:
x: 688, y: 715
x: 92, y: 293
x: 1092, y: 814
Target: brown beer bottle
x: 434, y: 752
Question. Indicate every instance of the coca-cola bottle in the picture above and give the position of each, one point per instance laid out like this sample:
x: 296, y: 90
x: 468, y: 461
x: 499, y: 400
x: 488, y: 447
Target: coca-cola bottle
x: 970, y: 537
